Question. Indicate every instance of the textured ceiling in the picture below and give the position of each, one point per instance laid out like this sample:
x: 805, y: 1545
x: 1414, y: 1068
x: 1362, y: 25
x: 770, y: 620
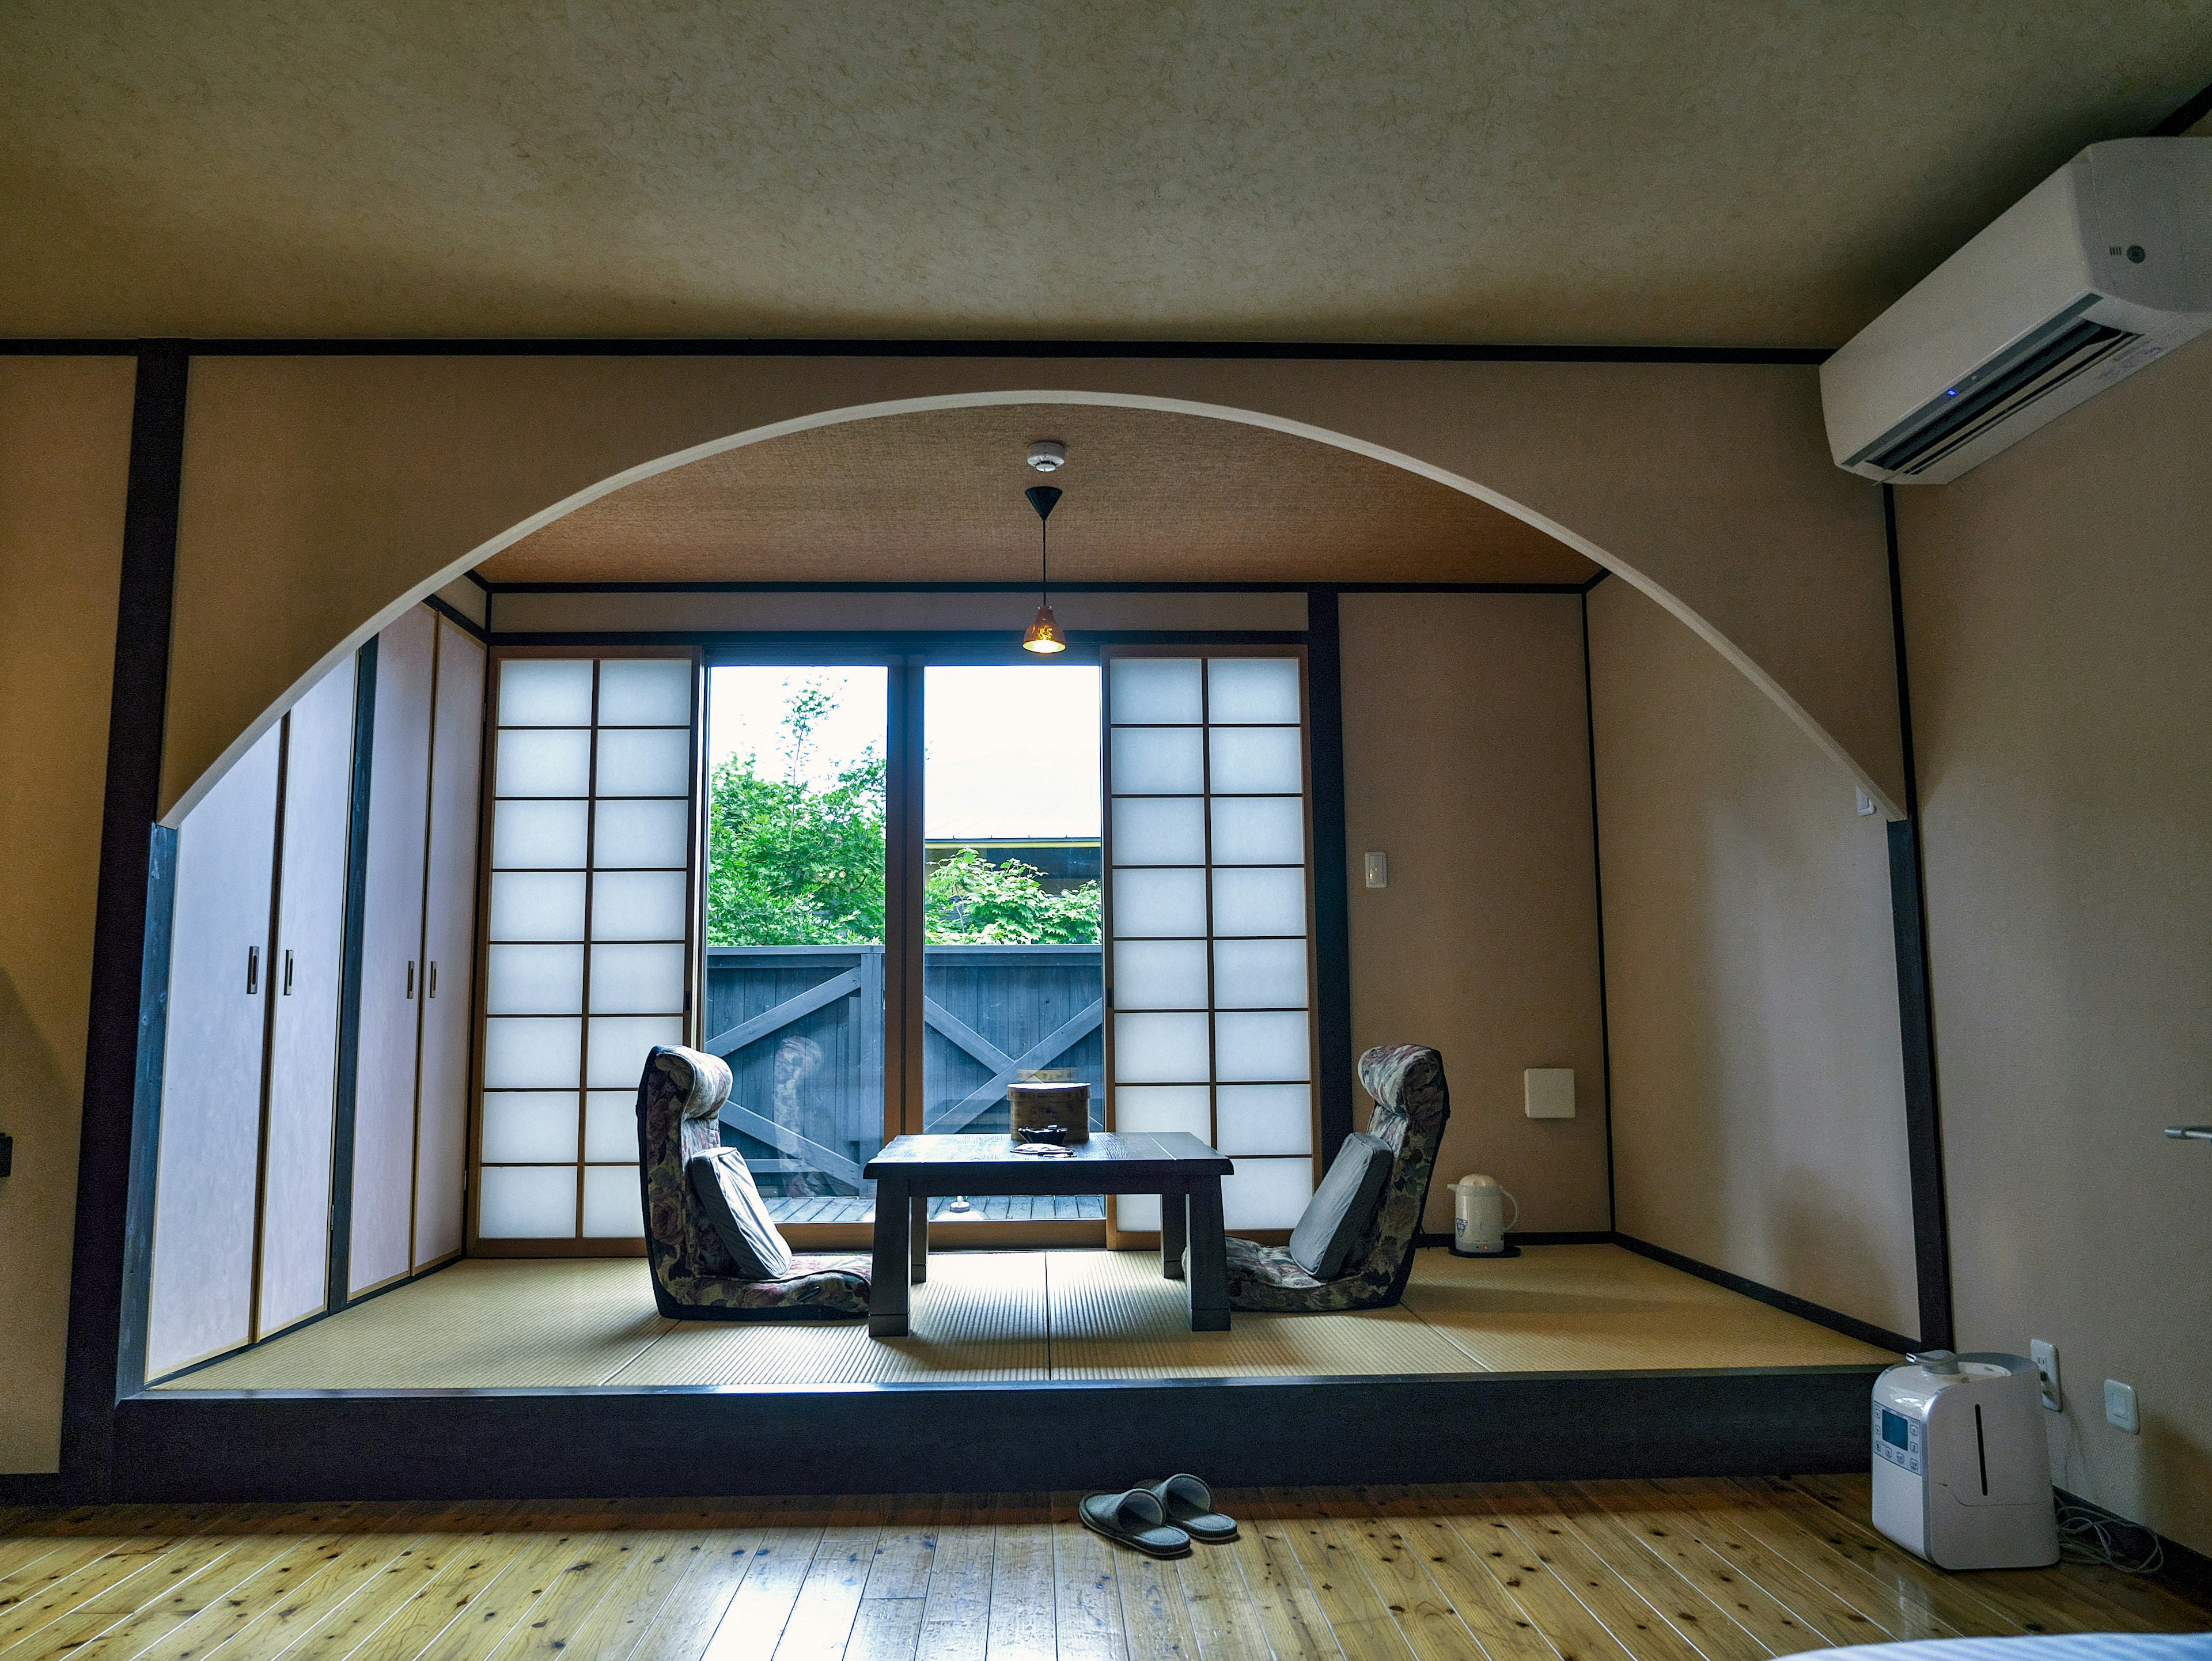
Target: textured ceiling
x: 936, y: 498
x: 1560, y: 171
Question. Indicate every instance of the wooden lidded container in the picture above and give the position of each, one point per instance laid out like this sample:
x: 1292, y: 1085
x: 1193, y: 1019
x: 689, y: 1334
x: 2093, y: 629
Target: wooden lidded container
x: 1036, y: 1105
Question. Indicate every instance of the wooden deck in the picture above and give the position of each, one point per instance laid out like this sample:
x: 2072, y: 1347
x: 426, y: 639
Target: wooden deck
x: 1703, y: 1571
x: 990, y: 1208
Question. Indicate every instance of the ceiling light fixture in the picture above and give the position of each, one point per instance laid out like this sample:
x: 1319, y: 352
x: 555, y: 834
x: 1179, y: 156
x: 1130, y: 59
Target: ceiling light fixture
x: 1044, y: 634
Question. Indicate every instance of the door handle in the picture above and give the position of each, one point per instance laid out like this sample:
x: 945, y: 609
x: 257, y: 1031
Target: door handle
x: 433, y: 987
x: 410, y: 978
x: 252, y: 970
x: 288, y: 972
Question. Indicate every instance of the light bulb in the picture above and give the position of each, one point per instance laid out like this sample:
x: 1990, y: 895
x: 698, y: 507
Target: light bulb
x: 1044, y: 634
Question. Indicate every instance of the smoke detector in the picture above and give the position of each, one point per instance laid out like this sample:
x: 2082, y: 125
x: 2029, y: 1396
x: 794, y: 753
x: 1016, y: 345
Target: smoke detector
x: 1048, y: 455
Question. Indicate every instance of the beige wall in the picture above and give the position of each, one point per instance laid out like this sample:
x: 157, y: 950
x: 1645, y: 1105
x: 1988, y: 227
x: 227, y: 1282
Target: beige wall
x: 2058, y: 605
x: 1751, y: 980
x: 323, y: 495
x: 1467, y: 760
x: 64, y: 453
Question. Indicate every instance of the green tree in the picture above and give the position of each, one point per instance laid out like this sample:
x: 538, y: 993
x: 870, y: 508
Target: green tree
x: 793, y: 863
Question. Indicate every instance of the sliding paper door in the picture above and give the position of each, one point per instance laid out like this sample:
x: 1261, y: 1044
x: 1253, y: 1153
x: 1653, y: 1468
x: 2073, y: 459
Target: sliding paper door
x: 303, y: 1030
x: 449, y: 934
x: 1208, y: 920
x: 207, y: 1168
x: 588, y: 933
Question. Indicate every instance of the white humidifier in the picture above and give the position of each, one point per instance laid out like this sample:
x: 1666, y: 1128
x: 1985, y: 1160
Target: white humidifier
x: 1962, y: 1471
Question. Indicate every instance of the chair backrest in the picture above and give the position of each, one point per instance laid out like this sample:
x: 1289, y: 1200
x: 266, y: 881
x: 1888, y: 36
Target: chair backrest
x: 679, y: 1104
x: 1412, y: 1104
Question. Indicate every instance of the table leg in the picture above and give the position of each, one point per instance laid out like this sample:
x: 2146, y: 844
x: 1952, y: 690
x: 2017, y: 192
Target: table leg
x: 887, y: 1282
x: 1209, y: 1259
x: 1174, y: 1235
x: 918, y: 1229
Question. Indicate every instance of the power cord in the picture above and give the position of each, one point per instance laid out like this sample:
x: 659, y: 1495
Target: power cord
x: 2096, y: 1537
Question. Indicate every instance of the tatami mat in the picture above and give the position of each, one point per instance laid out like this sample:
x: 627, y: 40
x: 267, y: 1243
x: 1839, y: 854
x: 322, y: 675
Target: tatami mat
x: 494, y: 1323
x: 1573, y: 1308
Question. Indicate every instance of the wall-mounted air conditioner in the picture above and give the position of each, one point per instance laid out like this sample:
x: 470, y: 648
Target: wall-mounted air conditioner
x: 2101, y: 268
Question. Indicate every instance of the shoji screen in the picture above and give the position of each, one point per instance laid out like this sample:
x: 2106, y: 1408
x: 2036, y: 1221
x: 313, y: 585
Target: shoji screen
x: 207, y: 1171
x: 1208, y: 909
x: 588, y: 936
x: 303, y: 1031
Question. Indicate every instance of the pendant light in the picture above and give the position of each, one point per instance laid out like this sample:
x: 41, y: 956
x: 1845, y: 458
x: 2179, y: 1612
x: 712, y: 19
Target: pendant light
x: 1045, y: 634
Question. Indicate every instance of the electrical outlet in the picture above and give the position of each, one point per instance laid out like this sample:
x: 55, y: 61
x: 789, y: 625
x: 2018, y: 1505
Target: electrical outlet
x: 2120, y: 1407
x: 2046, y: 1357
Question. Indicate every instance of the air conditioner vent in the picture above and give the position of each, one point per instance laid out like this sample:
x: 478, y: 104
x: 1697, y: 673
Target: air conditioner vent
x: 2036, y: 365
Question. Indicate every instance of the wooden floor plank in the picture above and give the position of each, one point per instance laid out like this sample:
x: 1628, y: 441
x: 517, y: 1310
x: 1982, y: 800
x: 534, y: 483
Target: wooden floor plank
x: 1641, y: 1629
x: 686, y: 1622
x: 1289, y: 1612
x: 1023, y: 1622
x: 905, y: 1550
x: 115, y: 1581
x: 479, y: 1624
x: 286, y: 1621
x: 1577, y: 1634
x: 1362, y: 1622
x: 1153, y: 1624
x: 1222, y: 1619
x: 549, y: 1627
x: 658, y: 1562
x: 829, y: 1599
x: 1500, y: 1625
x: 226, y: 1609
x: 1086, y: 1589
x: 1422, y: 1612
x: 445, y: 1571
x: 753, y: 1623
x: 956, y: 1617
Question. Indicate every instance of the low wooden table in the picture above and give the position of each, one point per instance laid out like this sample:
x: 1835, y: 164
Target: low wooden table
x: 1175, y: 1164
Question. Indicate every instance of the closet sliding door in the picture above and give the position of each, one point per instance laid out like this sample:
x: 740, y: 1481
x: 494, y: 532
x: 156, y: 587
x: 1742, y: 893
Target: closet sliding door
x: 449, y: 932
x: 380, y: 1237
x: 207, y: 1165
x: 306, y: 971
x: 1209, y: 903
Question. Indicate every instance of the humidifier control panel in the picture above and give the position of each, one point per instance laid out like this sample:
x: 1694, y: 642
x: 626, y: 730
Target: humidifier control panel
x: 1898, y: 1438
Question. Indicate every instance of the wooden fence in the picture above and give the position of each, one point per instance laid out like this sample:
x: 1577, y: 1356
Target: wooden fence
x: 802, y: 1027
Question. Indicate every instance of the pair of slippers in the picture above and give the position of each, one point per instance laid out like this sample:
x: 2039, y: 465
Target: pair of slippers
x: 1159, y: 1519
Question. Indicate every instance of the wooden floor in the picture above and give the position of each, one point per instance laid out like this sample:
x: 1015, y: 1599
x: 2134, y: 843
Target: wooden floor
x: 1706, y: 1570
x: 1004, y: 1316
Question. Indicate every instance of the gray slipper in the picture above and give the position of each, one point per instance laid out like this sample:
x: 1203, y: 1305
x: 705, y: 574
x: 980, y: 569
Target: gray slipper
x: 1188, y: 1504
x: 1134, y: 1520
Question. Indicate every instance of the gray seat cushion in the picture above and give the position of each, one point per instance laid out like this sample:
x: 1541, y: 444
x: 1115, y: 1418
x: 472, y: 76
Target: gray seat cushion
x: 724, y: 1190
x: 1342, y: 1207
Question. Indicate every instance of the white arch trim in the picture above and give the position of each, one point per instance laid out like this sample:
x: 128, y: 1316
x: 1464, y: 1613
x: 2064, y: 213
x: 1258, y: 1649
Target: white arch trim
x: 614, y: 481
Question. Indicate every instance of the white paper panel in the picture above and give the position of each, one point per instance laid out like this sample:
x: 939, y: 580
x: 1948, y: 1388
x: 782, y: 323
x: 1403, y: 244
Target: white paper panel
x: 545, y: 692
x: 1256, y: 899
x: 637, y: 905
x: 534, y: 980
x: 1265, y: 1119
x: 620, y: 1044
x: 1159, y: 975
x: 529, y: 1127
x: 1163, y: 1107
x: 528, y: 1202
x: 1154, y: 830
x: 1160, y: 761
x: 1159, y: 900
x: 537, y: 905
x: 1250, y: 761
x: 1159, y: 1049
x: 651, y: 761
x: 1266, y: 1193
x: 1138, y: 1213
x: 449, y: 941
x: 1259, y: 831
x: 1249, y: 689
x: 637, y: 980
x: 610, y: 1125
x: 630, y: 833
x: 1269, y: 1044
x: 613, y: 1208
x: 1155, y: 690
x: 551, y: 762
x: 645, y: 692
x: 532, y: 1052
x: 1259, y: 974
x: 541, y: 834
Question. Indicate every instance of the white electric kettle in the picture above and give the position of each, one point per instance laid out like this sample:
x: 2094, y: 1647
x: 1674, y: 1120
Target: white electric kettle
x: 1479, y: 1221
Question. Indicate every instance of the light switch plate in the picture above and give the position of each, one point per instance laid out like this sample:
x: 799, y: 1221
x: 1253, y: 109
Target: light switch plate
x: 2120, y: 1407
x: 1378, y: 870
x: 2046, y: 1357
x: 1549, y: 1092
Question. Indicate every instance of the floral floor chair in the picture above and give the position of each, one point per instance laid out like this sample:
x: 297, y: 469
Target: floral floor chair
x: 1411, y: 1106
x: 694, y: 1278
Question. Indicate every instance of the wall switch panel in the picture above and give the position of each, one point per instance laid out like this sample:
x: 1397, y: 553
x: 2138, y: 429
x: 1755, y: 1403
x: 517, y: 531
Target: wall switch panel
x: 1549, y: 1092
x: 2120, y: 1407
x: 2046, y: 1357
x: 1378, y: 870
